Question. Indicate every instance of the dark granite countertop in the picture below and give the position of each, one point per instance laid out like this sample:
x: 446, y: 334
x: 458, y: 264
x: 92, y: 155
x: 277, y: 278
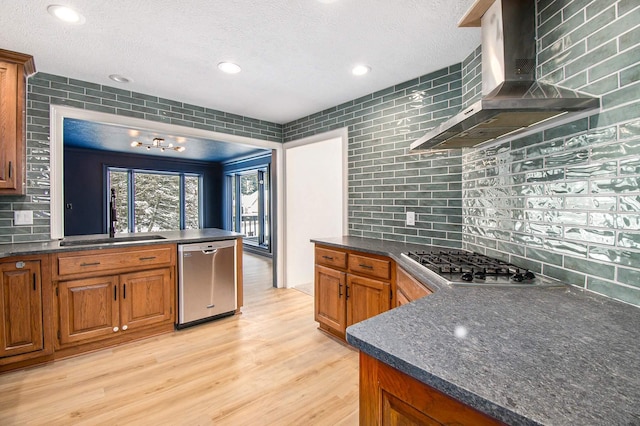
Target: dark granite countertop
x: 552, y: 356
x: 172, y: 237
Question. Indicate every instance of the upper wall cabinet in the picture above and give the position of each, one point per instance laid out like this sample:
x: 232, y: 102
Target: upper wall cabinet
x: 14, y: 70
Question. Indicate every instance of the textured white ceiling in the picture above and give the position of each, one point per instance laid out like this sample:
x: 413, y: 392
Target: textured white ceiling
x: 296, y: 55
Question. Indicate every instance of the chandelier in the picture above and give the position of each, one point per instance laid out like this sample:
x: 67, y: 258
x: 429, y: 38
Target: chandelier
x: 157, y: 143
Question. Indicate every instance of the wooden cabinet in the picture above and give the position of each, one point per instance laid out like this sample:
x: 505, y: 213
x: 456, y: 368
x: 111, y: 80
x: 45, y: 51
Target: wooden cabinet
x: 110, y: 296
x: 25, y: 307
x: 14, y: 69
x: 350, y: 287
x: 21, y: 308
x: 146, y: 298
x: 88, y: 309
x: 390, y: 397
x: 367, y: 298
x: 408, y: 288
x: 330, y: 299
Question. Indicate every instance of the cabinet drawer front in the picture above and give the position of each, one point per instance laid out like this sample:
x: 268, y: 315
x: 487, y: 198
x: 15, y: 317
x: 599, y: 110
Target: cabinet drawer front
x: 329, y: 257
x: 83, y: 263
x: 378, y: 268
x: 409, y: 287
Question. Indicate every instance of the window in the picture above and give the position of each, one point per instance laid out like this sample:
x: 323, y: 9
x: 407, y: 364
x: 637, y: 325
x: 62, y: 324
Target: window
x: 150, y: 201
x: 249, y: 198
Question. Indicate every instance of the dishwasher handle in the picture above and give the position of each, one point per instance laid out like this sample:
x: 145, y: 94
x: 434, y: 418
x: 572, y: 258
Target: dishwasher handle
x: 210, y: 251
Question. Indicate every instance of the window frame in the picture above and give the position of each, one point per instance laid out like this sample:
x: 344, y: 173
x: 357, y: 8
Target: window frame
x: 233, y: 188
x: 131, y: 171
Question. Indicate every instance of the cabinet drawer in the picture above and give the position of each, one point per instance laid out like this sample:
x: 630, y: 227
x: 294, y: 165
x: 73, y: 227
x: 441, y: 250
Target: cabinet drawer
x: 408, y: 288
x: 97, y: 262
x: 330, y: 257
x: 366, y: 265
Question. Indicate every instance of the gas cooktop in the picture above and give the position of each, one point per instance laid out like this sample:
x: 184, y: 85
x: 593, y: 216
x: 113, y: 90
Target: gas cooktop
x: 460, y: 267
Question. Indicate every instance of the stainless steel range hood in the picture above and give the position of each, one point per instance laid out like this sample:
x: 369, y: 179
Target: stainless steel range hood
x: 513, y: 101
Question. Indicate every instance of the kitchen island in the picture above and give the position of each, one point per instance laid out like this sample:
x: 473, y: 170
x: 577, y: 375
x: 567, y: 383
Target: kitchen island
x: 533, y: 355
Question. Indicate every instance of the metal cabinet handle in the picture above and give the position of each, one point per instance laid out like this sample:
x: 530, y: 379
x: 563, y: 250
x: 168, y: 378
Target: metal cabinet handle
x: 115, y: 292
x: 115, y: 329
x: 89, y: 264
x: 347, y: 295
x: 339, y: 290
x: 10, y: 169
x: 124, y: 327
x: 147, y: 258
x: 34, y: 281
x: 365, y: 266
x: 124, y: 292
x: 327, y: 257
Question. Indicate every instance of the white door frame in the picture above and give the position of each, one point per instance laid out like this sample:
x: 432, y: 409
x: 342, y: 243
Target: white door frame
x: 343, y: 135
x: 56, y: 136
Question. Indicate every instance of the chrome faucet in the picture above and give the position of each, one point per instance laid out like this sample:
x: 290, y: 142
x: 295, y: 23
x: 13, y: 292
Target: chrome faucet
x: 113, y: 218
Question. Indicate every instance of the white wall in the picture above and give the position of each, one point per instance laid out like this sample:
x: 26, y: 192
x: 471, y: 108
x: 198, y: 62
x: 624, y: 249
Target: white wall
x: 314, y: 203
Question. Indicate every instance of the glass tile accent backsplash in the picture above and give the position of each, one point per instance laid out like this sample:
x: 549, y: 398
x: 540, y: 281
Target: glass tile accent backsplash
x: 578, y: 184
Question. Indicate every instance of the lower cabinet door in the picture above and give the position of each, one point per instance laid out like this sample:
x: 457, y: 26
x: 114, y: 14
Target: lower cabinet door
x: 389, y: 397
x: 88, y: 309
x: 20, y: 308
x: 366, y: 298
x: 146, y: 298
x: 330, y: 298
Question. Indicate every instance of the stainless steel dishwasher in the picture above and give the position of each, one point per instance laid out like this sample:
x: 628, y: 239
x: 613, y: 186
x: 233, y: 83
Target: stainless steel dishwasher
x: 207, y: 281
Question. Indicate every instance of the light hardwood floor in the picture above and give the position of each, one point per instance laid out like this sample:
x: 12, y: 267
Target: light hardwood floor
x: 268, y: 366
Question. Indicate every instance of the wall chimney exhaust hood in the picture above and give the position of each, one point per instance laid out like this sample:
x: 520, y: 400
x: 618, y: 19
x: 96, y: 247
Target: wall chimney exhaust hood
x: 513, y: 101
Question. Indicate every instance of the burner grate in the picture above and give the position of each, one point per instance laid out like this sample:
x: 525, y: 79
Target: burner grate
x: 460, y: 262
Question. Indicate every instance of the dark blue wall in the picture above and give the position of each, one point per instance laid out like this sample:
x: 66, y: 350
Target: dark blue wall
x: 84, y: 186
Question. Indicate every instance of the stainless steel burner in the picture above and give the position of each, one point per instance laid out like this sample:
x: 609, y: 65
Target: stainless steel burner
x: 459, y: 267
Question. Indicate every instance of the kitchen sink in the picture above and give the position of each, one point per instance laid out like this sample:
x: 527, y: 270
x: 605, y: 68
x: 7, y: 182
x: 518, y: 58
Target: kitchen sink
x: 107, y: 240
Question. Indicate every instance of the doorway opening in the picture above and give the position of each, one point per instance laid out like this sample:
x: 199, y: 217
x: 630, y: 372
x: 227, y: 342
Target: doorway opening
x: 249, y: 203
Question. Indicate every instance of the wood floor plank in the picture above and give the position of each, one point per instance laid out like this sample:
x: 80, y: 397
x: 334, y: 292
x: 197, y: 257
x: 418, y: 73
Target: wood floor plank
x: 267, y: 366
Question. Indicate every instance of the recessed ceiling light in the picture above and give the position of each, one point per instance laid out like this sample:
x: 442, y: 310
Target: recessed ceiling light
x: 360, y: 70
x: 229, y: 67
x: 120, y: 78
x: 66, y: 14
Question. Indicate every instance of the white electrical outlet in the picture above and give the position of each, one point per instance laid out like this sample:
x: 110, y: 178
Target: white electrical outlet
x: 411, y: 218
x: 23, y: 217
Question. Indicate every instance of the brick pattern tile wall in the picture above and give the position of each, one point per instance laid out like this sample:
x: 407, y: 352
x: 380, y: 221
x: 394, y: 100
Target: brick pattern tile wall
x: 566, y: 201
x: 46, y: 89
x: 472, y: 78
x: 385, y: 179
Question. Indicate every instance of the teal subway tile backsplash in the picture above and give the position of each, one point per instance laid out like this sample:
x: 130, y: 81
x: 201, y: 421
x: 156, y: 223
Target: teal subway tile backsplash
x: 629, y: 276
x: 614, y: 290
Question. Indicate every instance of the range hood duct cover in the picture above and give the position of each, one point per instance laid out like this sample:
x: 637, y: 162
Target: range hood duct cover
x: 513, y: 101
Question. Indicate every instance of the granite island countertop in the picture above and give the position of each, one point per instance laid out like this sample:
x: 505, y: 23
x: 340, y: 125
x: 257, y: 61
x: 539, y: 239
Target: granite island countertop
x: 552, y: 356
x: 172, y: 237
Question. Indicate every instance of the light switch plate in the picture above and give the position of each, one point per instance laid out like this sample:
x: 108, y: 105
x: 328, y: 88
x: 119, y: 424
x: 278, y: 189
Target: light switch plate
x: 411, y: 218
x: 23, y: 217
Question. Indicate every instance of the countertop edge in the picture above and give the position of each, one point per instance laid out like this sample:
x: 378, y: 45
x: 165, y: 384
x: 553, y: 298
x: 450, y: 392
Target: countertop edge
x: 450, y: 389
x: 171, y: 237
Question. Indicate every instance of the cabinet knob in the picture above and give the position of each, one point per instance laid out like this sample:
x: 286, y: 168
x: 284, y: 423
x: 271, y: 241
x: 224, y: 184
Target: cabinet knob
x: 115, y: 329
x: 124, y: 327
